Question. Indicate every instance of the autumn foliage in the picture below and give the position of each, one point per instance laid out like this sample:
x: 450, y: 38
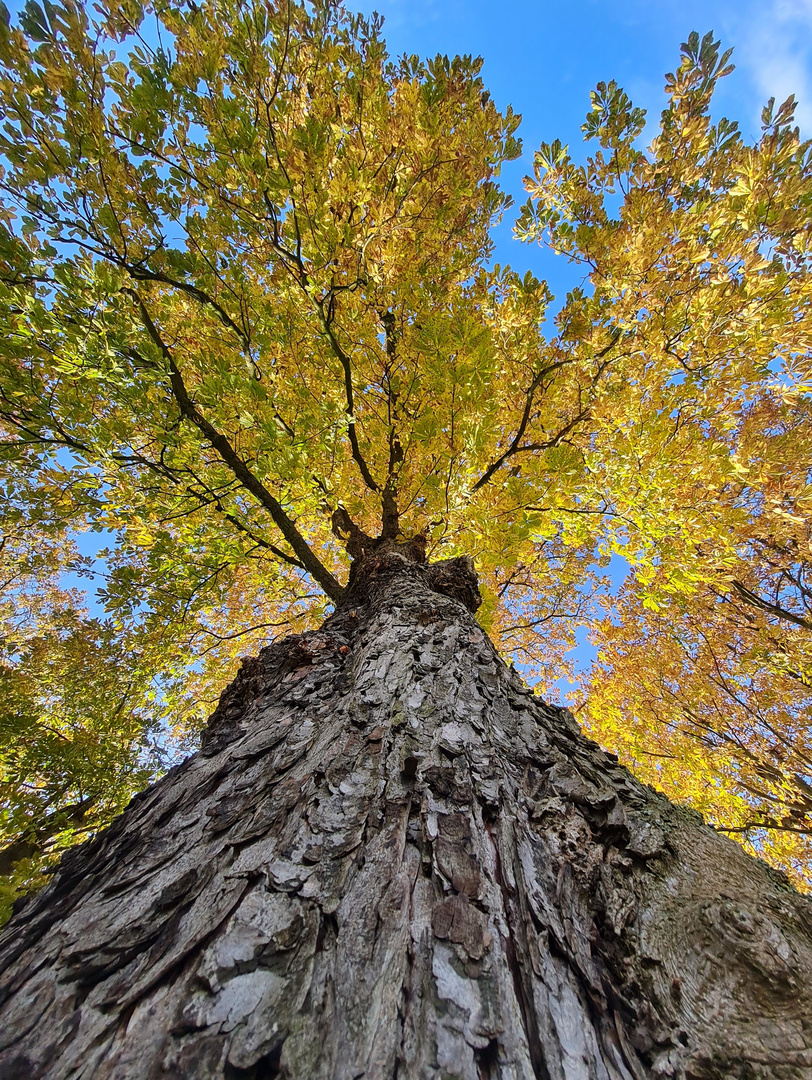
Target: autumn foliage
x: 252, y: 327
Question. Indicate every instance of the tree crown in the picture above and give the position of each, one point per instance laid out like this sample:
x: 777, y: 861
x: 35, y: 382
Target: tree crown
x: 253, y: 331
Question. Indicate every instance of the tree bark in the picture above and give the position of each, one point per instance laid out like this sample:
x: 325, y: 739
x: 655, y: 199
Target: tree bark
x: 391, y: 860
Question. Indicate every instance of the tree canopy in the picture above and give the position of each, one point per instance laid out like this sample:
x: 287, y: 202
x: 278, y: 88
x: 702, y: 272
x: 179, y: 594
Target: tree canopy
x: 252, y: 326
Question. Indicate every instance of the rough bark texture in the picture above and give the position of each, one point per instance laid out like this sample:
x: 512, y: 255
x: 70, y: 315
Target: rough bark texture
x: 391, y: 860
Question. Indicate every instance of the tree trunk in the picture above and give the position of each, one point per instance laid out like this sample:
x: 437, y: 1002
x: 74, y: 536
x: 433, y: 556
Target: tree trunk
x: 391, y: 860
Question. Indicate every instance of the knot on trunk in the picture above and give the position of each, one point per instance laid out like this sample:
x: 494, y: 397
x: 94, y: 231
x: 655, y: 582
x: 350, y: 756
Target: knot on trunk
x: 396, y: 562
x: 456, y: 578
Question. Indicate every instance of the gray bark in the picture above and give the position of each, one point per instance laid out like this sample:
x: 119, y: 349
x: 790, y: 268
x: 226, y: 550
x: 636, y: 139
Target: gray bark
x: 391, y: 860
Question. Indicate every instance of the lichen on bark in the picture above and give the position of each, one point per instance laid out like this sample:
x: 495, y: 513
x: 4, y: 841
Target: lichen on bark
x: 390, y: 859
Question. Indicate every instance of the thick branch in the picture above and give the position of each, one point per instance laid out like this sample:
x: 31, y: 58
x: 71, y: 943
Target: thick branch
x: 231, y: 458
x: 353, y: 537
x: 344, y: 360
x: 390, y: 520
x: 759, y: 602
x: 33, y: 841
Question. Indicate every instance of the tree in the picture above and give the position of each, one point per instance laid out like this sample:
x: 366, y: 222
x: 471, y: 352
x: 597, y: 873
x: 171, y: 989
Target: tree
x: 254, y: 333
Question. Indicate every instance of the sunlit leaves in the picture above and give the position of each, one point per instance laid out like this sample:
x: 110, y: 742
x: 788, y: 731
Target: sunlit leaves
x: 698, y: 252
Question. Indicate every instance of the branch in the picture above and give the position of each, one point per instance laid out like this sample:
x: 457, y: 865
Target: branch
x: 231, y: 458
x: 390, y: 518
x: 33, y: 841
x: 344, y: 360
x: 258, y: 540
x: 528, y: 405
x: 515, y: 446
x: 774, y: 826
x: 138, y: 273
x: 355, y: 539
x: 759, y: 602
x: 300, y: 275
